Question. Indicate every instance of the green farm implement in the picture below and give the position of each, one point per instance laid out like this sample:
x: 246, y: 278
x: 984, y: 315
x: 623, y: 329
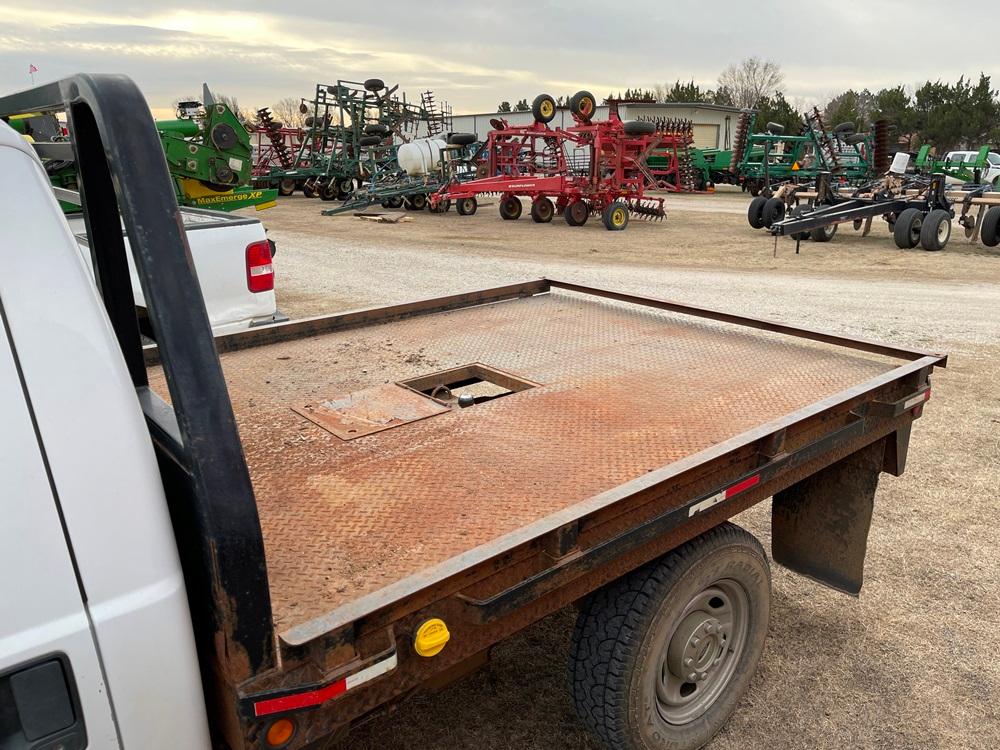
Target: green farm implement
x: 710, y: 166
x: 763, y: 160
x: 421, y: 167
x: 207, y: 151
x: 971, y: 168
x: 352, y: 133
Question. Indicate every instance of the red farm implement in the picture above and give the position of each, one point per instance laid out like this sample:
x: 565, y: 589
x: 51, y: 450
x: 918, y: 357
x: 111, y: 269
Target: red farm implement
x: 670, y: 161
x: 274, y: 146
x: 589, y: 168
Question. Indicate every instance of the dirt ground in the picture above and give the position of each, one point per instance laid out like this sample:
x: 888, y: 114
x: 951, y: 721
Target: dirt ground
x: 912, y: 663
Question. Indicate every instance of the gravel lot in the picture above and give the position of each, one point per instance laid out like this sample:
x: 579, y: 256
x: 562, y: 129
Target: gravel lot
x: 913, y: 662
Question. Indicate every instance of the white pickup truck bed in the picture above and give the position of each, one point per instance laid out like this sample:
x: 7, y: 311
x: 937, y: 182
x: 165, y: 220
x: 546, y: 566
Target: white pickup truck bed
x: 218, y: 244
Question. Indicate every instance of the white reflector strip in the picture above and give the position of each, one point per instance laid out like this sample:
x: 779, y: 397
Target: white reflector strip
x: 915, y: 400
x: 370, y: 673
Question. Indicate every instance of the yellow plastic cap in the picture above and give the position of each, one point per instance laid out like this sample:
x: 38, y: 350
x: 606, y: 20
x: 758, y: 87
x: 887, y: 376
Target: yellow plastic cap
x: 431, y: 637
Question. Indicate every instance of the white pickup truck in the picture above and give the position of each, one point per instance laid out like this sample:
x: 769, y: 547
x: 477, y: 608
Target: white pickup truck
x: 233, y: 258
x: 258, y: 540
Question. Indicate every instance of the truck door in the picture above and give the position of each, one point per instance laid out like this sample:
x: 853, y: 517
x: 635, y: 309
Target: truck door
x: 52, y: 694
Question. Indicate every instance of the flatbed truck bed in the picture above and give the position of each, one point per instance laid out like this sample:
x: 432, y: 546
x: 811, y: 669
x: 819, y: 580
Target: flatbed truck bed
x: 617, y: 392
x: 364, y: 504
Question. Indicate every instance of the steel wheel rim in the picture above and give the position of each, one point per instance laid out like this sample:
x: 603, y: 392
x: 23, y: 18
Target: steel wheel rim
x: 943, y: 230
x: 915, y: 229
x: 618, y: 217
x: 700, y: 657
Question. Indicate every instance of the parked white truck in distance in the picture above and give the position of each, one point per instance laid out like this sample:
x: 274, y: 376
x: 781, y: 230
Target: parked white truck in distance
x: 232, y: 257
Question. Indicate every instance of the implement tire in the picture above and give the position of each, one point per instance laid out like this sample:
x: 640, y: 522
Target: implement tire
x: 774, y: 210
x: 906, y: 230
x: 542, y: 211
x: 989, y: 233
x: 543, y: 109
x: 466, y: 206
x: 755, y: 214
x: 936, y: 230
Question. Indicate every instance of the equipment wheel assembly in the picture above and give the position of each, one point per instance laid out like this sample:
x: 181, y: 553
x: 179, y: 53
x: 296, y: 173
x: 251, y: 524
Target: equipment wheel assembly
x: 907, y: 229
x: 543, y: 109
x: 936, y: 230
x: 466, y: 206
x: 583, y: 105
x: 774, y: 210
x: 542, y: 210
x: 990, y: 231
x: 615, y: 216
x: 576, y: 213
x: 755, y: 213
x: 510, y: 208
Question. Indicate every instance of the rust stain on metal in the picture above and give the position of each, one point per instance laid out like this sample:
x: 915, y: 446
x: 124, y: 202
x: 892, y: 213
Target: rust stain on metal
x: 623, y: 390
x: 370, y: 410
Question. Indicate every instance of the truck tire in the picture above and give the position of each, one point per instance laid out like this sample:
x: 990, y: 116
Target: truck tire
x: 634, y: 635
x: 510, y: 208
x: 374, y: 84
x: 774, y: 210
x: 286, y: 186
x: 990, y: 231
x: 755, y: 214
x: 936, y: 230
x: 542, y: 211
x: 906, y: 231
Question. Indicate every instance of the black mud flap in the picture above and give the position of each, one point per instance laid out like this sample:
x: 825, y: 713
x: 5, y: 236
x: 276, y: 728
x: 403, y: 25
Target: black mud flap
x: 819, y: 526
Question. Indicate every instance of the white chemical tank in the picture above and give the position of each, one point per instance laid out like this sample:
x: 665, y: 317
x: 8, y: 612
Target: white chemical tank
x: 421, y: 156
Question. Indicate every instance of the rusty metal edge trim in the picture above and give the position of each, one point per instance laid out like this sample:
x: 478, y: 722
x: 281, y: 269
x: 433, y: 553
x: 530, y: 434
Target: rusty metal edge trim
x: 873, y: 347
x: 398, y: 591
x: 297, y: 329
x: 522, y: 593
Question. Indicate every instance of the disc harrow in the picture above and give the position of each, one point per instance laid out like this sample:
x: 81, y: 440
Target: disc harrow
x: 671, y: 161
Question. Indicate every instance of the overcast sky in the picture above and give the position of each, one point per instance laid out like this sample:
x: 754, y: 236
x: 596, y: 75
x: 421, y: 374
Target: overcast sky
x: 476, y: 54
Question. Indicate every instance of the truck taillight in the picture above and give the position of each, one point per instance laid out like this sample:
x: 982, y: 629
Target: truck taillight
x: 260, y: 271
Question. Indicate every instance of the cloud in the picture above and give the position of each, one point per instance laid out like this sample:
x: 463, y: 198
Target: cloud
x: 475, y: 55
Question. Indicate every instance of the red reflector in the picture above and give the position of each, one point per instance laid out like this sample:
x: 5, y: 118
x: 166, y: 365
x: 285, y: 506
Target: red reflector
x: 260, y: 272
x: 744, y: 485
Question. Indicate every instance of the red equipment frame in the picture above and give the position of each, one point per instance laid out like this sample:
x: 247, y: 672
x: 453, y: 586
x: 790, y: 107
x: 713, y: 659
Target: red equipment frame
x: 265, y: 151
x: 532, y: 161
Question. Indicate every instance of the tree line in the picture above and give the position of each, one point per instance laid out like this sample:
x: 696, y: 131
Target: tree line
x: 964, y: 114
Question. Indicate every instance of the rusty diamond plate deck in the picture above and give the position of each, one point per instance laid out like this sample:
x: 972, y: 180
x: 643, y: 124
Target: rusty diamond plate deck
x: 622, y: 390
